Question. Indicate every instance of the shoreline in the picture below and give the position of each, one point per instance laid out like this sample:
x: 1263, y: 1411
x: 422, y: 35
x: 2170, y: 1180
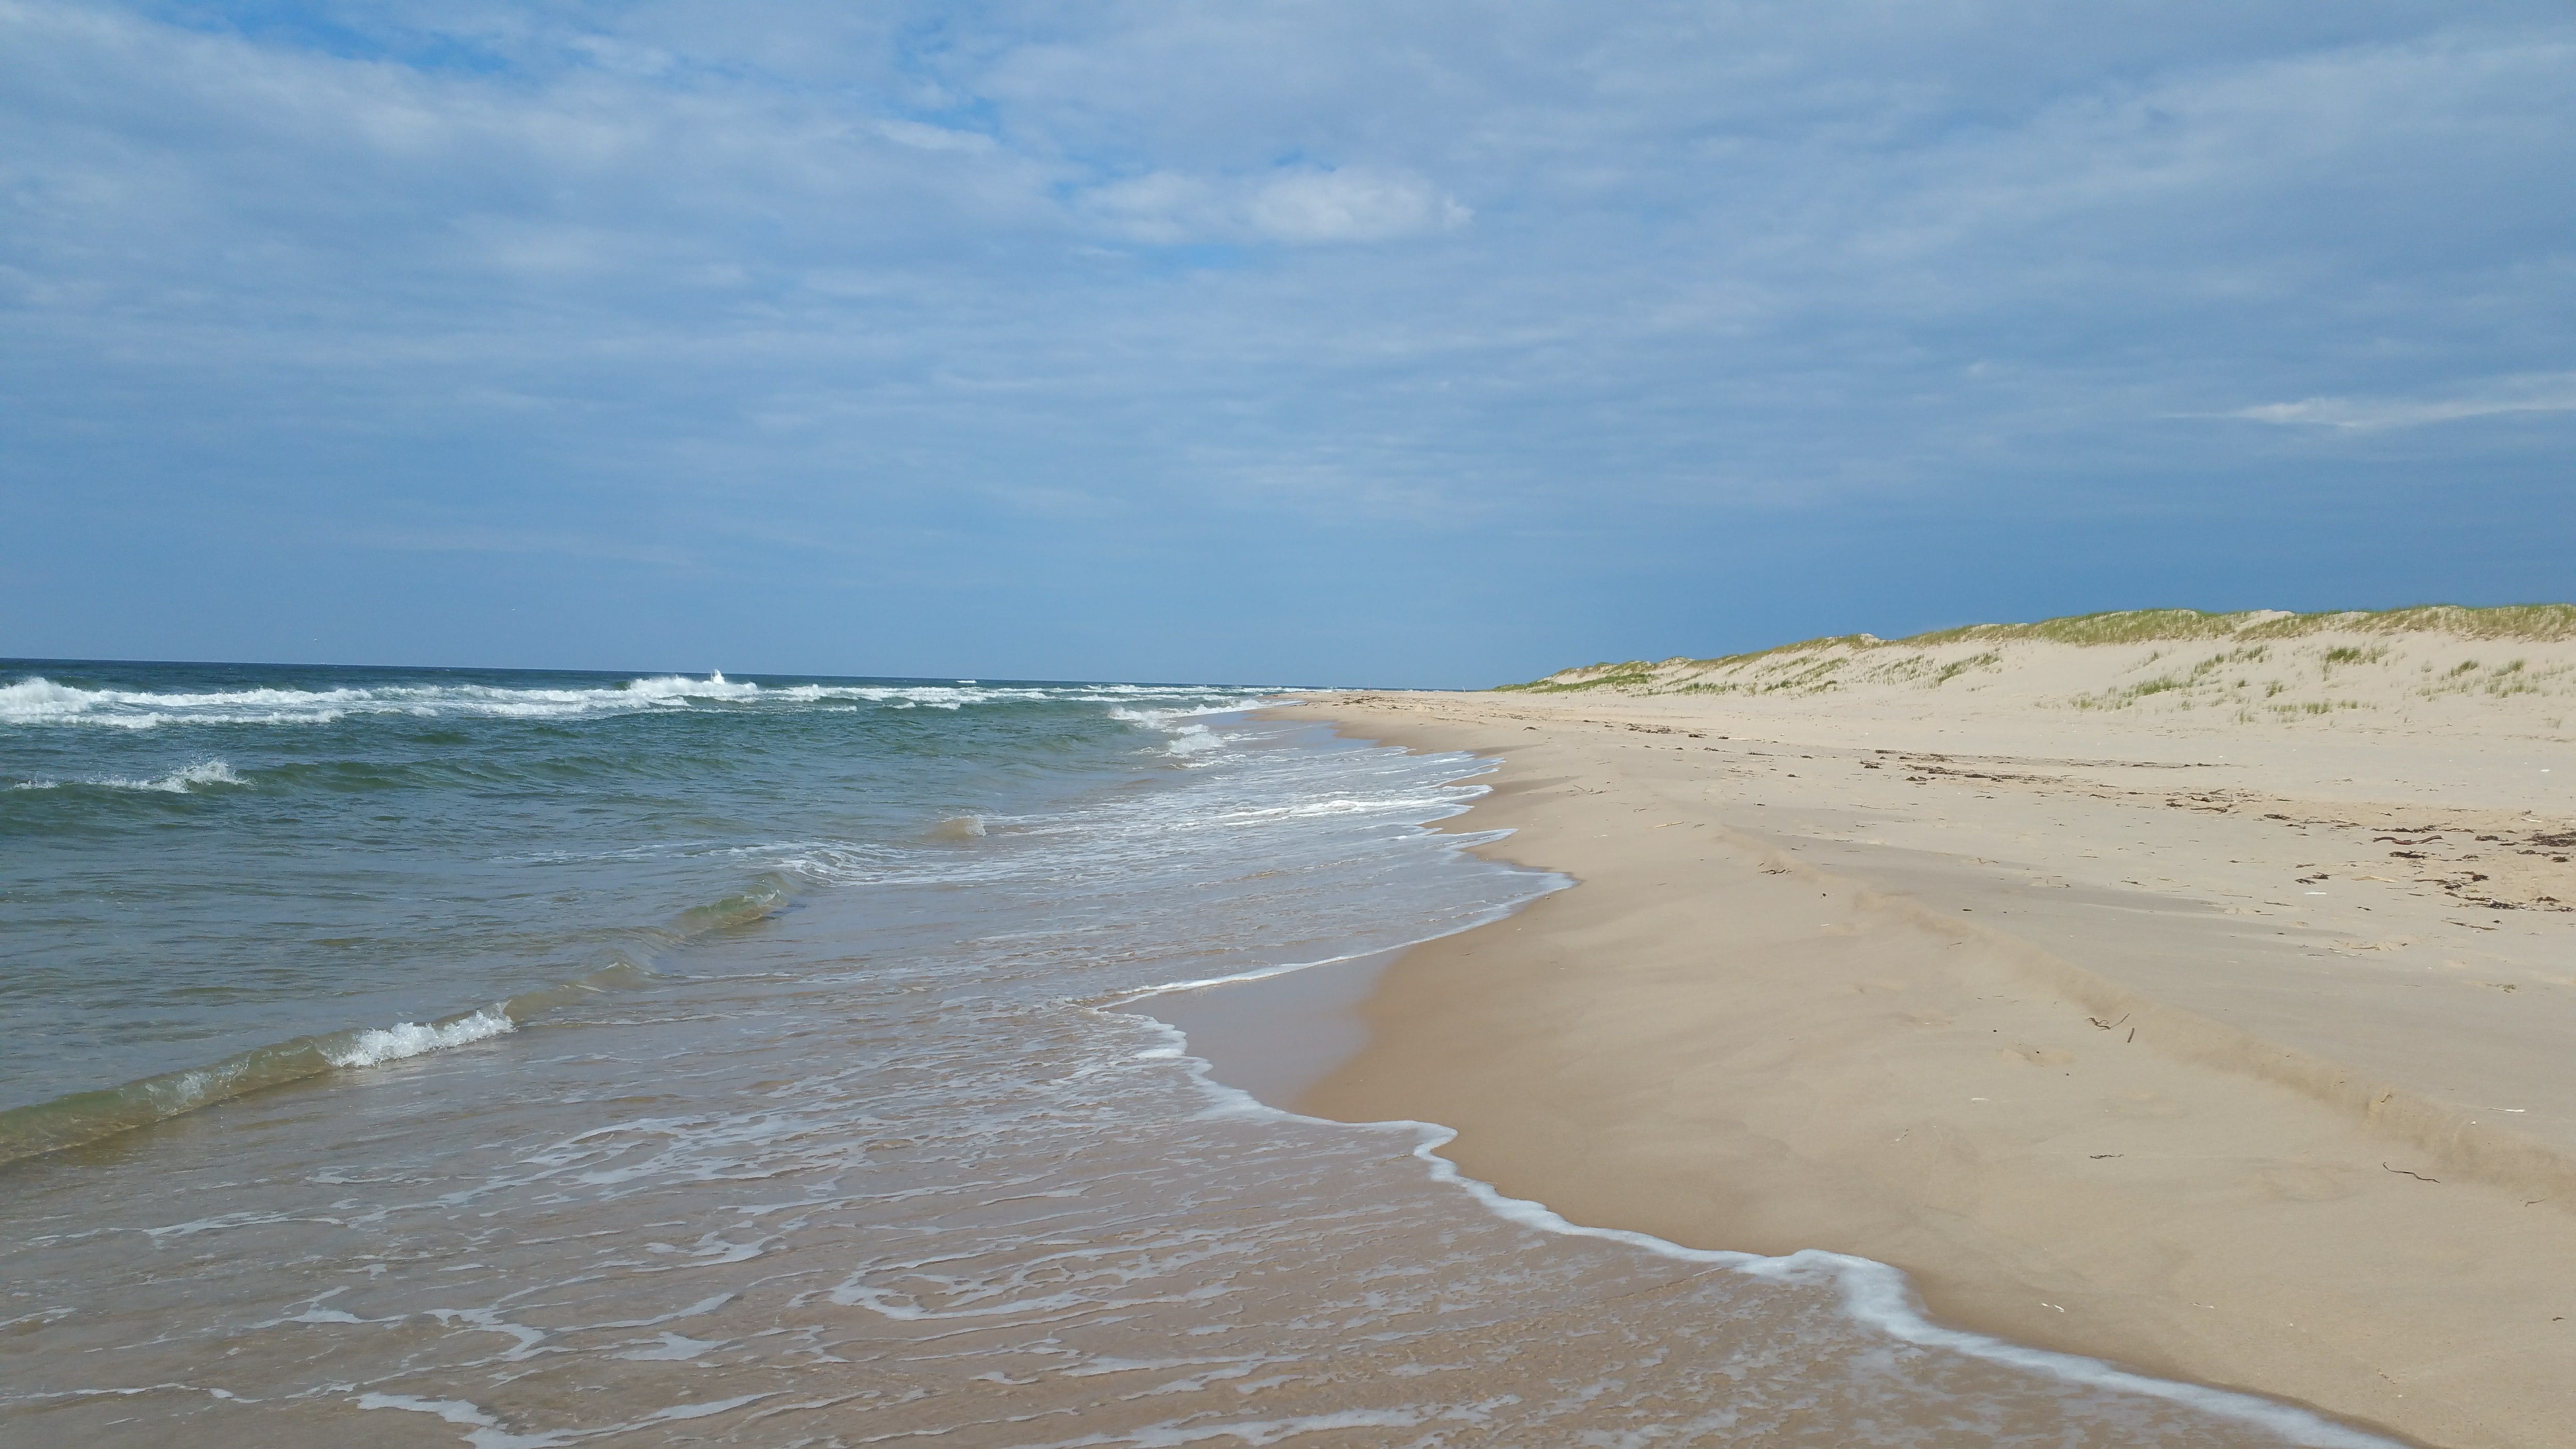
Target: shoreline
x: 1737, y: 1033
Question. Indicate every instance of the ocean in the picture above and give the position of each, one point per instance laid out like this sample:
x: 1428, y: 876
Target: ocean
x: 521, y: 1060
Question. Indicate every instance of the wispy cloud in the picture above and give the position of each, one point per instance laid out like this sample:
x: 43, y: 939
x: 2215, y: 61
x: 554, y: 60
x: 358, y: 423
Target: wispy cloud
x: 1427, y: 295
x: 2541, y: 393
x: 1303, y: 205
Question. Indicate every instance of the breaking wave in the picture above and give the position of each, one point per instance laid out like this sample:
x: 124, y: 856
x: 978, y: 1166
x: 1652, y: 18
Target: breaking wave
x: 177, y: 782
x: 82, y: 1117
x: 37, y: 700
x: 410, y: 1039
x: 89, y: 1116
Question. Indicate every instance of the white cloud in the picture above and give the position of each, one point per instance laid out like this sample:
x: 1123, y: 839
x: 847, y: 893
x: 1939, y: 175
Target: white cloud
x: 1350, y: 206
x: 933, y: 138
x: 480, y: 257
x: 1160, y: 207
x: 2544, y: 393
x: 1300, y: 206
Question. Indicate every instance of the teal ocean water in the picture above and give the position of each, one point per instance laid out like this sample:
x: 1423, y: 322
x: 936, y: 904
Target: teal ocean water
x: 222, y: 875
x: 526, y: 1060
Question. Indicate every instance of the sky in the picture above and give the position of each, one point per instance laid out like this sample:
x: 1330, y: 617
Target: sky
x: 1429, y: 343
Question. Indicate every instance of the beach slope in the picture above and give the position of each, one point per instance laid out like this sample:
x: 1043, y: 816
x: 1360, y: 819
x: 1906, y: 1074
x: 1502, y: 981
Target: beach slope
x: 2192, y: 991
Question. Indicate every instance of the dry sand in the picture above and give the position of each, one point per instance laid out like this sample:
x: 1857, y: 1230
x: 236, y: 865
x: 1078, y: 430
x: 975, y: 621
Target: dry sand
x: 2199, y: 1027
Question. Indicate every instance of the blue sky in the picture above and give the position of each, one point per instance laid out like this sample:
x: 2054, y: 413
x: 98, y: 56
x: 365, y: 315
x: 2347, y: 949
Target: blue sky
x: 1428, y: 343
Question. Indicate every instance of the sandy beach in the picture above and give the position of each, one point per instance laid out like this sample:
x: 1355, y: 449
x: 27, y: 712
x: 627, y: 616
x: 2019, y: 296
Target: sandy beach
x: 2198, y: 1000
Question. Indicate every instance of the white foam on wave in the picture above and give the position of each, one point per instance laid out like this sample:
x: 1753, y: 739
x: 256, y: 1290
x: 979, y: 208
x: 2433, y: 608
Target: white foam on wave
x: 1193, y: 740
x: 377, y: 1045
x: 1167, y: 717
x: 36, y: 700
x: 1127, y: 836
x: 36, y: 697
x: 177, y: 782
x: 204, y: 772
x: 1189, y: 740
x: 682, y: 687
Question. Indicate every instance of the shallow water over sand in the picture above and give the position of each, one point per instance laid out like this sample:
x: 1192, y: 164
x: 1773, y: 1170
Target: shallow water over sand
x: 888, y: 1163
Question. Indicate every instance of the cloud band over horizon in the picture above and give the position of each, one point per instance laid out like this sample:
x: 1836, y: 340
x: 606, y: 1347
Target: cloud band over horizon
x: 1434, y: 344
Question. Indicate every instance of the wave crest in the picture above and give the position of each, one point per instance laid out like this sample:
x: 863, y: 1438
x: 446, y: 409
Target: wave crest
x: 89, y: 1116
x: 36, y: 700
x: 410, y: 1038
x: 177, y: 782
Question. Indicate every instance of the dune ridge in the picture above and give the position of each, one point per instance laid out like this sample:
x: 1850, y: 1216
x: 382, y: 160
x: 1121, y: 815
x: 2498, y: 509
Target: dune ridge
x: 2398, y: 663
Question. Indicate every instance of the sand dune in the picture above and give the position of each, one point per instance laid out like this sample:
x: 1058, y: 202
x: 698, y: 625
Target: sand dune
x: 2503, y: 669
x: 2197, y: 991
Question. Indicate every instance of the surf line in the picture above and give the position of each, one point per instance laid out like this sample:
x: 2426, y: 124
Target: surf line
x: 1873, y: 1294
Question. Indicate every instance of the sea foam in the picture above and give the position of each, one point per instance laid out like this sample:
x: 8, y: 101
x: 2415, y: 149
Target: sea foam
x: 377, y: 1045
x: 36, y: 700
x: 177, y: 782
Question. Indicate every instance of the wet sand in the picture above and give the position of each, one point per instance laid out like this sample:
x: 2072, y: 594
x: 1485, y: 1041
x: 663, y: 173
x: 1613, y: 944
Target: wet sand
x: 1278, y: 1036
x: 2133, y: 1037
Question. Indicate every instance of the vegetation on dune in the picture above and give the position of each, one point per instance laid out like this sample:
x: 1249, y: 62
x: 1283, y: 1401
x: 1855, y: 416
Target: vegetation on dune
x: 2145, y: 626
x: 1934, y: 659
x: 1589, y: 676
x: 2128, y: 626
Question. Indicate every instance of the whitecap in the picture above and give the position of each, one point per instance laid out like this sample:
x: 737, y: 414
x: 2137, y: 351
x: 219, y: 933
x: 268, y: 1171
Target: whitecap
x: 377, y: 1045
x: 682, y: 687
x: 1193, y: 740
x: 178, y: 782
x: 37, y: 700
